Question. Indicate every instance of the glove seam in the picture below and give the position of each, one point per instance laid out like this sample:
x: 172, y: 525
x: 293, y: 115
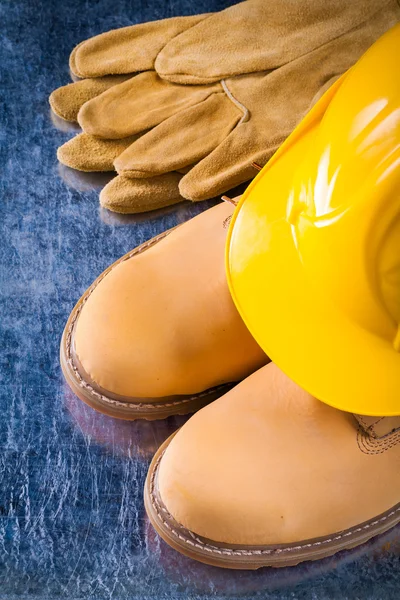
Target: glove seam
x: 237, y: 103
x: 207, y: 16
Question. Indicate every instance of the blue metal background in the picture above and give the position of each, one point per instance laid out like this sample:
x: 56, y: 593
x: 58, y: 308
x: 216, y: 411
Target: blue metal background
x: 72, y: 523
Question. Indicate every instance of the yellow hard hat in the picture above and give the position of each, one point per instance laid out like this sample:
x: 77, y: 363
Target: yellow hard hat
x: 313, y: 252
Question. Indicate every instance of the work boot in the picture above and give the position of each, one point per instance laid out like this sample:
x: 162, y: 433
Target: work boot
x: 269, y: 476
x: 157, y: 333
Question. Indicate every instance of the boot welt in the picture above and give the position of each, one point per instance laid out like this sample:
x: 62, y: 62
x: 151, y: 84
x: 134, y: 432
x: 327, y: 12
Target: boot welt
x: 247, y: 557
x: 115, y: 405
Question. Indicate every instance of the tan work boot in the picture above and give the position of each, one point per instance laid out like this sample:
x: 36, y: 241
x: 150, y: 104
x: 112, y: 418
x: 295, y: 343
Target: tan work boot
x: 157, y: 333
x: 281, y: 478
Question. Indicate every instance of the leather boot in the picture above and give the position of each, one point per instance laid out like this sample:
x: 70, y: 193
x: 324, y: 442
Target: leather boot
x: 269, y: 476
x: 157, y: 333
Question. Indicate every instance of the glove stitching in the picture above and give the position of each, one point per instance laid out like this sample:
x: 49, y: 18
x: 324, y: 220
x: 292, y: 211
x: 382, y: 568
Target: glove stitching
x: 208, y: 16
x: 236, y: 102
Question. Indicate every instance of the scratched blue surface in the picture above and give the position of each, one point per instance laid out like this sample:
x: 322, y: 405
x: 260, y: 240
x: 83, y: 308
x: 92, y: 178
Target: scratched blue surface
x: 72, y: 523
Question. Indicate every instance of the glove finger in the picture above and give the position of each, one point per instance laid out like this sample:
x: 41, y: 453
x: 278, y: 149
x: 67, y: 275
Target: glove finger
x: 181, y: 140
x: 136, y: 105
x: 256, y: 35
x: 128, y: 49
x: 126, y: 195
x: 228, y: 165
x: 73, y: 67
x: 67, y: 100
x: 87, y: 153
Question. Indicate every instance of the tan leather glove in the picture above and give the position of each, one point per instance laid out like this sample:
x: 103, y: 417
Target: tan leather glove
x: 256, y: 35
x: 219, y: 127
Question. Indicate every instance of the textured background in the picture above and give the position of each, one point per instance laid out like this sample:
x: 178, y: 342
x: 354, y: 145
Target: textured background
x: 72, y: 523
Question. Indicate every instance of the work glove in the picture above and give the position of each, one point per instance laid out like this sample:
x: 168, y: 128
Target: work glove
x: 153, y: 128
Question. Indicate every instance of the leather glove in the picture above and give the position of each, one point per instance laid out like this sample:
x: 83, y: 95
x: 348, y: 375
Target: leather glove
x: 149, y: 128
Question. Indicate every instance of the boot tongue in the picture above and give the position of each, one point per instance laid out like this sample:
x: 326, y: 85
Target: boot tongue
x: 378, y: 427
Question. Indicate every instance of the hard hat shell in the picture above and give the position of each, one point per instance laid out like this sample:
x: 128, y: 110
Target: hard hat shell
x: 313, y: 251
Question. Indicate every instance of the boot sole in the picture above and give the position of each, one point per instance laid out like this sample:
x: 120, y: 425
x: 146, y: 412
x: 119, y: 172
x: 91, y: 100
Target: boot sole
x: 114, y: 405
x: 247, y: 557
